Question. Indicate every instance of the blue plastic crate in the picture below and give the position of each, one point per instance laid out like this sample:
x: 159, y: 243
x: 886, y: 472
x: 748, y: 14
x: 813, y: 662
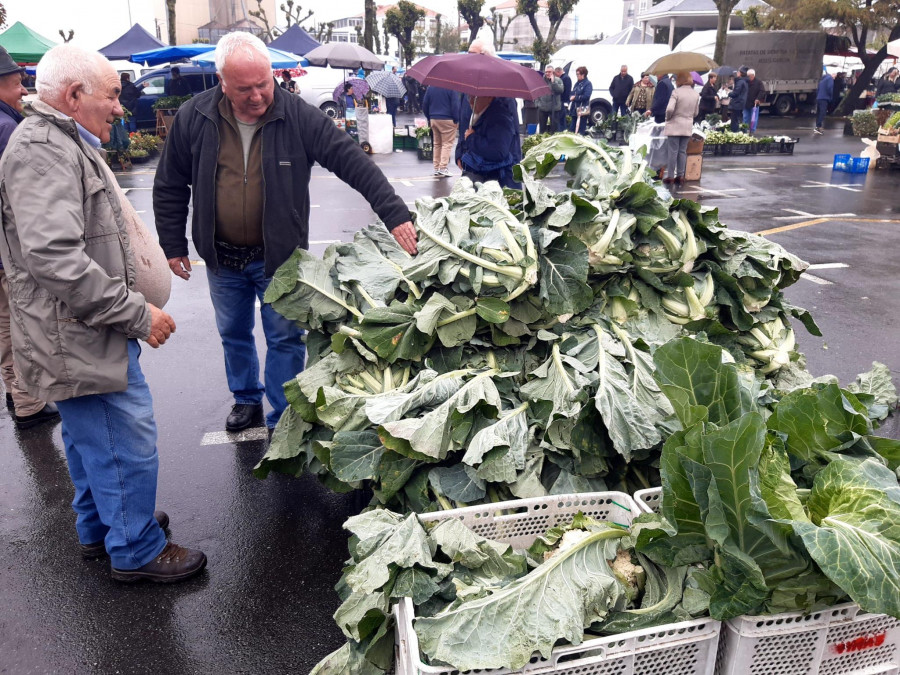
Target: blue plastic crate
x: 841, y: 163
x: 858, y: 165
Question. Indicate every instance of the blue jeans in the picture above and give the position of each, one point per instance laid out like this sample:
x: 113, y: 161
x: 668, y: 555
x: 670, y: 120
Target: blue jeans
x: 619, y: 108
x: 234, y: 296
x: 110, y: 442
x: 821, y: 111
x: 748, y: 113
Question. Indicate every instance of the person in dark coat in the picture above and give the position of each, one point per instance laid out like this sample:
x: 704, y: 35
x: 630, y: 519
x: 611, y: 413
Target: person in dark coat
x: 840, y: 86
x: 889, y: 84
x: 755, y: 94
x: 664, y: 89
x: 489, y: 145
x: 178, y: 86
x: 582, y: 92
x: 566, y: 95
x: 129, y: 98
x: 737, y: 99
x: 241, y: 154
x: 619, y: 88
x: 824, y: 94
x: 709, y: 97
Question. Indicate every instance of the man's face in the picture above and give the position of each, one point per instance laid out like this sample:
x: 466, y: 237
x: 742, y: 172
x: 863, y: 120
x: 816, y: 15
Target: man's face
x: 559, y: 72
x: 97, y: 111
x: 752, y: 76
x: 12, y: 91
x: 624, y: 71
x: 548, y: 73
x: 249, y: 86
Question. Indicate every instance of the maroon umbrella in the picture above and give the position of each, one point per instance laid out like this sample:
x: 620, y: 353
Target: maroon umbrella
x: 480, y: 75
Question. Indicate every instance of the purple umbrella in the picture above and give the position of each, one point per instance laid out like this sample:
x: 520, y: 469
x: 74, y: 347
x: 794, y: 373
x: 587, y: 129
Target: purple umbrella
x: 697, y: 78
x: 360, y: 89
x: 480, y: 75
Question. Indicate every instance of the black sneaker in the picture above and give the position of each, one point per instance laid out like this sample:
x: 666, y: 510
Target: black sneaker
x: 242, y: 415
x: 98, y: 549
x: 48, y: 413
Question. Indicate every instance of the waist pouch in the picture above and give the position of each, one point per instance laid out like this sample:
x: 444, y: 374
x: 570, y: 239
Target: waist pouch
x: 237, y: 257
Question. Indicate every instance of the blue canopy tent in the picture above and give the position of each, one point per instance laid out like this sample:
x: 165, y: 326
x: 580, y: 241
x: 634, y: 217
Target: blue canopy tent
x: 174, y: 53
x: 295, y: 40
x: 136, y: 39
x: 280, y: 59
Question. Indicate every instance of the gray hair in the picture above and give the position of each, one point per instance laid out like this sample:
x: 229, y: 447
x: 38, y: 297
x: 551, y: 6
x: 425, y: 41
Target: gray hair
x: 480, y: 46
x: 246, y: 43
x: 751, y: 72
x: 64, y: 65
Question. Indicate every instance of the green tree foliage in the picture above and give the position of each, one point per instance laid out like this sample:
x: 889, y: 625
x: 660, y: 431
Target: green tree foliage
x: 557, y: 10
x: 370, y: 30
x: 400, y: 21
x: 470, y: 11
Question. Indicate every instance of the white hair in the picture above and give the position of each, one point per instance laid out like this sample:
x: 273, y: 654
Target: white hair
x: 751, y: 72
x: 245, y: 43
x: 64, y: 65
x: 480, y: 46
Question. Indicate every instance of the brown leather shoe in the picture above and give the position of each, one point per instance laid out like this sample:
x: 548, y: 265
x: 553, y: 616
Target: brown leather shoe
x: 98, y: 548
x: 174, y: 563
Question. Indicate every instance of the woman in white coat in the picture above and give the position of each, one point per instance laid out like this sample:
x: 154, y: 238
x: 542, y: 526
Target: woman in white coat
x: 684, y: 104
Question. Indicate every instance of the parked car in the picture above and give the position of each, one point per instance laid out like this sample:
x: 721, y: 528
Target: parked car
x: 156, y: 84
x: 317, y: 87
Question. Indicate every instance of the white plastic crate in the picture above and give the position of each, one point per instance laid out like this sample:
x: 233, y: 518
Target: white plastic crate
x: 840, y: 640
x: 685, y: 648
x: 837, y: 641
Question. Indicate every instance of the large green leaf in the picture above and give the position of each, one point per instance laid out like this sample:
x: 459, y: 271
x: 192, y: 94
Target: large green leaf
x: 563, y: 275
x: 554, y: 602
x: 391, y: 332
x: 375, y: 262
x: 355, y: 455
x: 854, y: 533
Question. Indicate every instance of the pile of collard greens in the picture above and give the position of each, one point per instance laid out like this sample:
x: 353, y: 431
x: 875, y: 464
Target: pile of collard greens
x: 512, y: 357
x: 736, y: 535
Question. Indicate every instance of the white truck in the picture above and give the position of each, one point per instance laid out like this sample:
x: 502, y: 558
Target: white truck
x: 603, y: 63
x: 788, y: 62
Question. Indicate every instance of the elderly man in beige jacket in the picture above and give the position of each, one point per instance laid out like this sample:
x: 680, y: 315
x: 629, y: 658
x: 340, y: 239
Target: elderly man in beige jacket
x: 78, y: 316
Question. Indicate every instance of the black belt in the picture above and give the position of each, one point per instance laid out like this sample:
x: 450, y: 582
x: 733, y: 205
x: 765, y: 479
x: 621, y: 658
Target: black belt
x: 237, y: 257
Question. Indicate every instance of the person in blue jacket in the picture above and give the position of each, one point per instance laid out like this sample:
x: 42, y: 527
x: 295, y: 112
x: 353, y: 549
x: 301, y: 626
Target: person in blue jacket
x: 489, y: 144
x: 824, y: 94
x: 661, y: 96
x: 441, y: 108
x: 738, y: 98
x: 582, y: 91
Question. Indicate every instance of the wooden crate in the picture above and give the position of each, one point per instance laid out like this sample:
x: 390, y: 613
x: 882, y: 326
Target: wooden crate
x: 694, y: 167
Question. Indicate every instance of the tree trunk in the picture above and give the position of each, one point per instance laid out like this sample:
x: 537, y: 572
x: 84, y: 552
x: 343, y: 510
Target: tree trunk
x: 170, y: 20
x: 722, y: 32
x: 369, y: 34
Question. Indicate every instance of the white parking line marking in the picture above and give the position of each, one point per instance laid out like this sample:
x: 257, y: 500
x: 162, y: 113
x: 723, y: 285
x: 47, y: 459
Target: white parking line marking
x: 762, y: 169
x: 849, y: 187
x: 815, y: 279
x: 828, y: 266
x: 325, y: 241
x: 226, y: 437
x: 804, y: 214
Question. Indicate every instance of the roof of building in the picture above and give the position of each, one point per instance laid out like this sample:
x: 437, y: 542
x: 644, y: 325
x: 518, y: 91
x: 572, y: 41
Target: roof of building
x: 693, y: 7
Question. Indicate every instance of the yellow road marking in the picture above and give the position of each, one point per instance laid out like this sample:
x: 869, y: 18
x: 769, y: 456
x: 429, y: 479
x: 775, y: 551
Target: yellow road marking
x: 818, y: 221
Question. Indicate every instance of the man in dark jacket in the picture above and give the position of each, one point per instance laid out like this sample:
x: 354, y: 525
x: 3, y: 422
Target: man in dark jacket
x: 441, y: 109
x: 129, y: 98
x: 661, y: 96
x: 738, y: 99
x: 824, y: 94
x: 566, y: 96
x: 245, y: 150
x: 619, y: 88
x: 178, y: 86
x: 755, y: 94
x: 27, y: 411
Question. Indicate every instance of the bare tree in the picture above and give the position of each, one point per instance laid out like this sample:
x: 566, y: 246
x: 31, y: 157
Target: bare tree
x: 725, y: 8
x: 170, y: 20
x: 62, y: 34
x: 260, y: 13
x: 2, y: 16
x: 292, y: 14
x: 557, y: 10
x: 470, y: 10
x: 370, y: 33
x: 499, y: 26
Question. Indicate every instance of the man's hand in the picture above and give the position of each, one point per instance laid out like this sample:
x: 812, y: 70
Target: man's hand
x: 181, y: 267
x: 459, y: 164
x: 161, y: 326
x: 647, y: 114
x: 469, y: 132
x: 405, y: 235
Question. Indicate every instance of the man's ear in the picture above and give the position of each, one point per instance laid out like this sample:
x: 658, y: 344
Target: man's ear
x: 73, y: 94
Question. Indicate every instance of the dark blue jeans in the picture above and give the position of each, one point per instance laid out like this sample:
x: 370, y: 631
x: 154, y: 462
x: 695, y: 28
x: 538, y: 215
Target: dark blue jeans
x: 821, y: 111
x: 619, y: 108
x: 234, y: 295
x: 110, y: 442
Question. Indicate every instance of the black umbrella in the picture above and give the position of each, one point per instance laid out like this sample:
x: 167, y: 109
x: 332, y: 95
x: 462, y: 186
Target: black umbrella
x: 725, y: 71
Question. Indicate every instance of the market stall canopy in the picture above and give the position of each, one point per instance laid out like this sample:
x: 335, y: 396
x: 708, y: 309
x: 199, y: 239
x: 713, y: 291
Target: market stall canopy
x: 480, y: 75
x: 280, y: 59
x: 23, y: 44
x: 295, y: 40
x: 344, y: 55
x: 629, y: 36
x: 174, y: 53
x: 136, y: 39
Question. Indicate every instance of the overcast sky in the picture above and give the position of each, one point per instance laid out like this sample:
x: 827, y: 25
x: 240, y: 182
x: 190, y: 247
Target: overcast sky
x: 99, y: 22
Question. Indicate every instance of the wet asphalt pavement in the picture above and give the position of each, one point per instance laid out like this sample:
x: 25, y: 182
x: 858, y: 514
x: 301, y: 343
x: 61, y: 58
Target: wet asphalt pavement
x: 276, y: 547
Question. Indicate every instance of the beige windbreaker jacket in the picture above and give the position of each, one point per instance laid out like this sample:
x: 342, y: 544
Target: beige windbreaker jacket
x: 68, y: 261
